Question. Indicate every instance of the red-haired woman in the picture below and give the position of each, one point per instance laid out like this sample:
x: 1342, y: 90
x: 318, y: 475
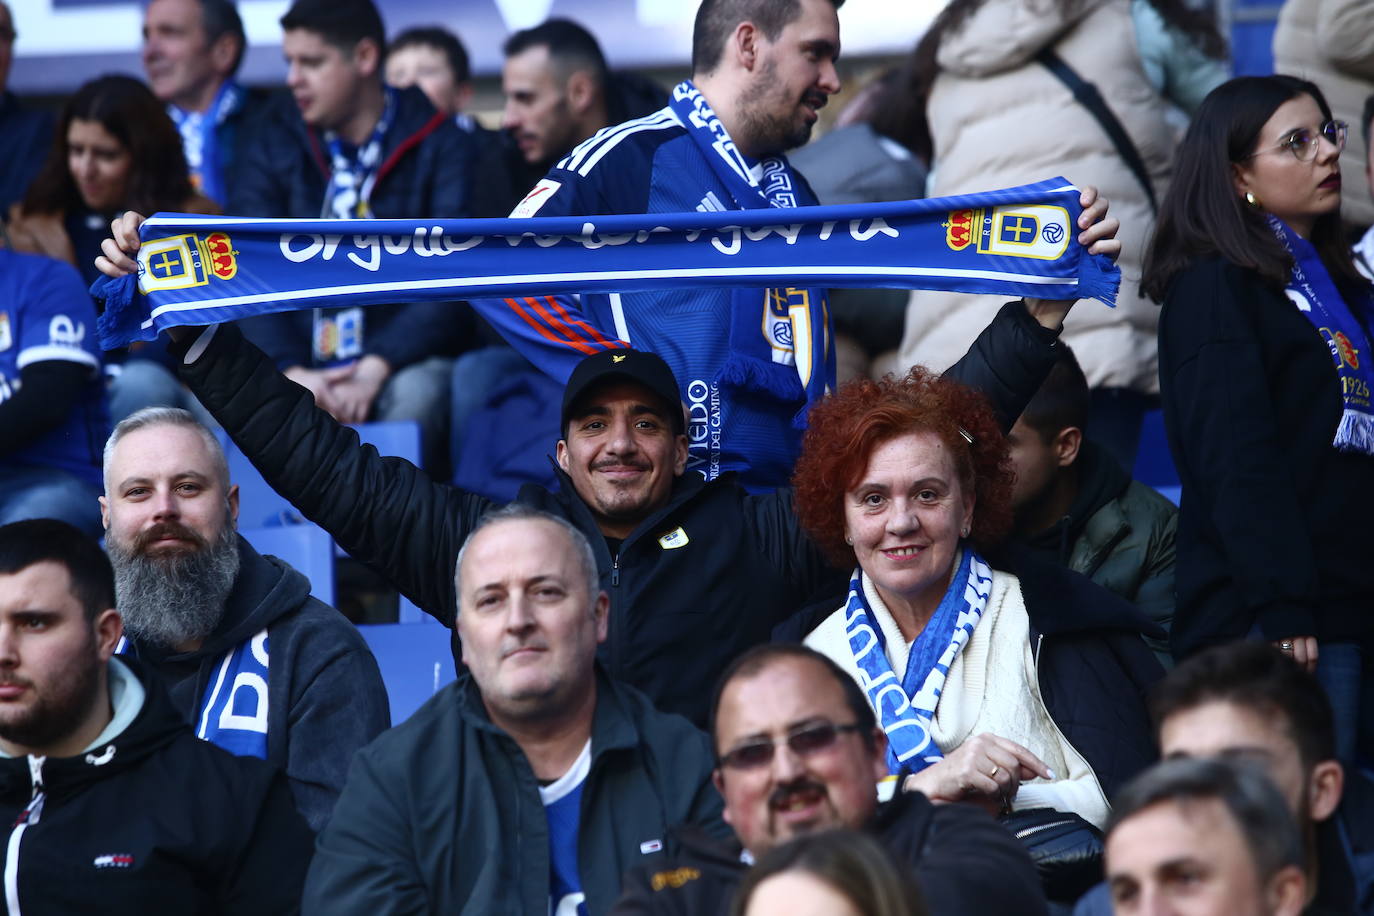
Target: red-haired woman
x: 982, y: 697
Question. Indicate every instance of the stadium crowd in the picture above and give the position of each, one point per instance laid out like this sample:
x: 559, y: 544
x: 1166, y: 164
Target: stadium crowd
x: 878, y: 622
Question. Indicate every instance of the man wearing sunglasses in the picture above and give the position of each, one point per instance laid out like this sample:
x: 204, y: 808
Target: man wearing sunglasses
x: 798, y: 750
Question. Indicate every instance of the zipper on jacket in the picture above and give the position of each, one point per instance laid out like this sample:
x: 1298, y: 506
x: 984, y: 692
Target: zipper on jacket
x: 29, y: 815
x: 615, y: 570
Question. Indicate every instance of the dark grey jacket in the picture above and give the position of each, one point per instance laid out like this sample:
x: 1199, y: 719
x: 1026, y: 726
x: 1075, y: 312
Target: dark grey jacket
x: 442, y: 814
x: 325, y: 696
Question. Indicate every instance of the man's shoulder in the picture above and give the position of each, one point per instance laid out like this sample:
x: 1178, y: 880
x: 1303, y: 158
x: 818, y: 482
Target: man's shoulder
x: 611, y: 149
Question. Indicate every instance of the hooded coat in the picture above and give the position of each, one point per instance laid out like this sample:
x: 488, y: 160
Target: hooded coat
x: 150, y: 820
x: 325, y: 696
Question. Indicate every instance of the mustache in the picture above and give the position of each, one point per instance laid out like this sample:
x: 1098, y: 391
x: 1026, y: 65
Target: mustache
x: 167, y: 530
x: 783, y: 794
x: 7, y: 680
x: 511, y: 646
x: 817, y: 100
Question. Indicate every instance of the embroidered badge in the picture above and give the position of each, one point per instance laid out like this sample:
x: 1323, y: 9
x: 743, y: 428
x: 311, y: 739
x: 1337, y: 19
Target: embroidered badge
x: 114, y: 860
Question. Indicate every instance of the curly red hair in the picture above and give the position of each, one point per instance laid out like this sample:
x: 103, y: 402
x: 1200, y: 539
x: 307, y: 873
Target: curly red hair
x: 845, y: 428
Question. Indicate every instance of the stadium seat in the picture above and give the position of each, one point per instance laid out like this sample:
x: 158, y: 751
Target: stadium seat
x: 308, y: 548
x: 262, y: 507
x: 1154, y: 463
x: 416, y: 660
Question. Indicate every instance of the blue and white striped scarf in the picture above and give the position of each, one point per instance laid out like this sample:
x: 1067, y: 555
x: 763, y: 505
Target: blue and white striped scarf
x: 200, y: 139
x: 905, y: 707
x: 195, y: 270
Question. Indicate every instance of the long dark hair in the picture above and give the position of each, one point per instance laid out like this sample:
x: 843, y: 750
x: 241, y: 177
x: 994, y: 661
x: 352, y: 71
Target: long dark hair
x: 128, y: 110
x: 921, y: 67
x: 1202, y: 215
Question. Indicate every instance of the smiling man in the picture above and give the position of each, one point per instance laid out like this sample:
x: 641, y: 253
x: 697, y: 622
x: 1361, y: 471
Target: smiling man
x: 534, y: 781
x: 798, y: 750
x: 252, y: 661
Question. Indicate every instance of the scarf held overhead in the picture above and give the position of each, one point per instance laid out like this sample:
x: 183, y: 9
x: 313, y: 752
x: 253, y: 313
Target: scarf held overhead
x: 203, y: 270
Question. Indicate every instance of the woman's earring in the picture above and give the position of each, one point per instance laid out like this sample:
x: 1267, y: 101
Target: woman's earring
x: 964, y: 533
x: 1252, y: 200
x: 849, y: 540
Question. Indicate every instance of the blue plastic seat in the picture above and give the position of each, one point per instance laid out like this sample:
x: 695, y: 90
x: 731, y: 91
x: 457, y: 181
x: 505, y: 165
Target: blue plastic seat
x: 261, y: 507
x: 306, y: 547
x: 416, y: 660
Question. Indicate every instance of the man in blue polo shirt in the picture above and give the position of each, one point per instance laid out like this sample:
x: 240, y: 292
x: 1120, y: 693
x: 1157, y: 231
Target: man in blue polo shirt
x: 52, y: 399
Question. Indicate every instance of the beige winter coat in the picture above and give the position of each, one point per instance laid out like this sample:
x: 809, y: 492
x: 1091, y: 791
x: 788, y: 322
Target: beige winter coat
x: 1001, y: 119
x: 1331, y: 43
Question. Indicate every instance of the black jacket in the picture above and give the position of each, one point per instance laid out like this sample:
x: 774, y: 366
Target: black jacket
x: 442, y: 814
x: 680, y: 609
x: 325, y: 695
x: 1274, y: 522
x: 154, y: 821
x: 426, y: 172
x: 963, y: 860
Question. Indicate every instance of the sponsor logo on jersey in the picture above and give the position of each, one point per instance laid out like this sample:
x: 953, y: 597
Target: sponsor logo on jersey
x: 538, y: 196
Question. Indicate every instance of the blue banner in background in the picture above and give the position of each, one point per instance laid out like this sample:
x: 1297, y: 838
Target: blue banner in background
x: 196, y: 270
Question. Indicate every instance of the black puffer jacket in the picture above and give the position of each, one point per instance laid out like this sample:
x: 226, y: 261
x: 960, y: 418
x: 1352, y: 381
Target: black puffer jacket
x: 153, y: 821
x: 681, y: 607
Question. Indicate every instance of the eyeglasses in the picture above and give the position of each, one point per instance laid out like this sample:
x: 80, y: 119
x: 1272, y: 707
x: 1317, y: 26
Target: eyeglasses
x: 1302, y: 143
x: 804, y: 741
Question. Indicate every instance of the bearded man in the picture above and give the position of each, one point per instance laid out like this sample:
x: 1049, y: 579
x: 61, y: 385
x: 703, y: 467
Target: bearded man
x: 254, y: 663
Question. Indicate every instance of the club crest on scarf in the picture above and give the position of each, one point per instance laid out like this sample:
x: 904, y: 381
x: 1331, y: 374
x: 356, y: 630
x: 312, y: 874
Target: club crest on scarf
x: 1015, y: 231
x: 1314, y: 292
x: 906, y: 707
x: 184, y: 261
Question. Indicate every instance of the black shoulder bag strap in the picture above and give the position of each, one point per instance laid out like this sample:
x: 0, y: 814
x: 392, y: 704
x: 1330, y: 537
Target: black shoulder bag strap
x: 1087, y: 95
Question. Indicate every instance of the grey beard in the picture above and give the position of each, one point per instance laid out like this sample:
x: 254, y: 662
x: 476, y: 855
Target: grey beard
x: 172, y: 600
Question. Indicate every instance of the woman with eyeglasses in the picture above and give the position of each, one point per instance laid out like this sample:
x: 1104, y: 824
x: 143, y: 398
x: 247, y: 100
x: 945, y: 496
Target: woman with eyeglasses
x: 1266, y: 373
x: 1007, y: 696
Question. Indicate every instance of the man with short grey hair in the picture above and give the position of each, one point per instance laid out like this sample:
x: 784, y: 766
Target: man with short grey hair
x: 254, y: 663
x: 532, y: 783
x: 1205, y: 837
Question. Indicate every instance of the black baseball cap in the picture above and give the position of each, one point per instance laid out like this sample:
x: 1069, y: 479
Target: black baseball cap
x: 640, y: 366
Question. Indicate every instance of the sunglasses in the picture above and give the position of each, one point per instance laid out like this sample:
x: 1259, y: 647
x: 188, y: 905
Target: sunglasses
x: 1303, y: 142
x: 804, y: 741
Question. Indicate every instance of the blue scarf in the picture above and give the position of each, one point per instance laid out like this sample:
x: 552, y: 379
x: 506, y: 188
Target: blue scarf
x: 1312, y: 290
x: 196, y: 270
x: 353, y: 171
x: 200, y: 139
x: 233, y: 711
x: 906, y: 707
x: 780, y: 341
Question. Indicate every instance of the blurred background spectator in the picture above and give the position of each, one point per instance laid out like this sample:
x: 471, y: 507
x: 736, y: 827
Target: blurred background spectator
x: 1000, y: 111
x: 115, y: 149
x: 24, y: 132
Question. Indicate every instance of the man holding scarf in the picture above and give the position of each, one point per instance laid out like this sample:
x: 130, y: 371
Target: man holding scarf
x: 750, y: 361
